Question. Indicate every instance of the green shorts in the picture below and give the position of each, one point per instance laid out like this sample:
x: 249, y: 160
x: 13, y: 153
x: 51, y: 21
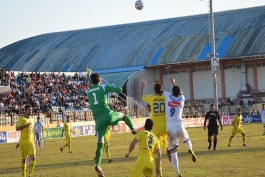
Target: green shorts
x: 105, y: 120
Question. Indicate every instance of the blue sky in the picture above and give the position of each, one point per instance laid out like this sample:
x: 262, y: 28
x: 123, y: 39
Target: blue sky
x: 20, y: 19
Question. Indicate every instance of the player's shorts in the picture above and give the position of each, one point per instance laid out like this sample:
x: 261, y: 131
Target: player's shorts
x: 68, y: 138
x: 38, y: 136
x: 161, y: 133
x: 238, y: 130
x: 138, y: 170
x: 174, y: 132
x: 212, y: 131
x: 26, y: 149
x: 104, y: 121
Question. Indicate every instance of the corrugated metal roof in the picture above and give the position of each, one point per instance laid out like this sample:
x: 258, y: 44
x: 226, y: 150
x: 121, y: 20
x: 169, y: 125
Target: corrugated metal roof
x: 118, y: 79
x: 173, y: 40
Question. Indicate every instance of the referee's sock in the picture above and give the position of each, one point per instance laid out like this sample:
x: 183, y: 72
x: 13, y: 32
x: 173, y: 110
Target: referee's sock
x: 214, y: 143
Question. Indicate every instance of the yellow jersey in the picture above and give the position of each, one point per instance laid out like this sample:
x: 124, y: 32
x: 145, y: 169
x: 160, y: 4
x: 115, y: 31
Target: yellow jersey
x: 26, y: 134
x: 148, y: 142
x: 157, y: 105
x: 67, y: 128
x: 237, y: 120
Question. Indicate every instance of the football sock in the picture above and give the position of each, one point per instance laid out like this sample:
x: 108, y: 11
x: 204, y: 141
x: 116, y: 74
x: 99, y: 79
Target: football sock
x: 23, y: 169
x: 31, y: 166
x: 210, y: 142
x: 214, y: 143
x: 106, y: 148
x: 99, y: 153
x: 188, y: 144
x: 244, y: 139
x: 41, y: 143
x: 69, y: 147
x: 175, y: 162
x: 230, y: 139
x: 128, y: 122
x: 66, y: 144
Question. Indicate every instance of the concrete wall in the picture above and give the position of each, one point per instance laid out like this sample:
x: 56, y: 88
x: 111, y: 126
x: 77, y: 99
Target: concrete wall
x: 233, y: 82
x: 202, y: 82
x: 261, y: 78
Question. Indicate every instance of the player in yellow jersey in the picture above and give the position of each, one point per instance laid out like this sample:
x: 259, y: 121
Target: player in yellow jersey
x: 106, y: 144
x: 157, y: 104
x: 237, y: 127
x: 25, y: 125
x: 67, y: 129
x: 148, y: 148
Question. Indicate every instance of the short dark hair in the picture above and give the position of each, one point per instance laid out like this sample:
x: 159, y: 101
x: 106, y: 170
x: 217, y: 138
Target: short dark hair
x: 95, y: 78
x: 27, y: 107
x: 176, y: 91
x: 239, y: 109
x: 158, y: 88
x: 148, y: 124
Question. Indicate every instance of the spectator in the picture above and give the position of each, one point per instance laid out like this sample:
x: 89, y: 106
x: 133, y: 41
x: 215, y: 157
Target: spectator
x: 135, y: 107
x: 242, y: 104
x: 249, y: 102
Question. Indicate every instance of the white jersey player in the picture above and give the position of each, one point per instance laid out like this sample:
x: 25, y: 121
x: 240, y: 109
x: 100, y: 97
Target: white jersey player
x: 262, y: 116
x: 38, y: 127
x: 175, y: 127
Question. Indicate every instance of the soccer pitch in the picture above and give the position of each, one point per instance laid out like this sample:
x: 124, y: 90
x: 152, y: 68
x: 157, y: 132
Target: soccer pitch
x: 234, y: 161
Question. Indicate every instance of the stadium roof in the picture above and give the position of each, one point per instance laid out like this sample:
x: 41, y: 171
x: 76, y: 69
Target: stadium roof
x: 176, y: 40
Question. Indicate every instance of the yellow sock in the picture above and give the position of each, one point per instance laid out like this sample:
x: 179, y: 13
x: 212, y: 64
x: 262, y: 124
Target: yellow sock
x: 69, y: 147
x: 230, y: 139
x: 66, y: 144
x: 23, y: 169
x: 106, y: 148
x: 31, y: 166
x: 244, y: 139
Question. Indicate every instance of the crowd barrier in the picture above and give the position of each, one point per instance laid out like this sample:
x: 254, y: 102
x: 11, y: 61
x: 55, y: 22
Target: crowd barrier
x: 87, y: 128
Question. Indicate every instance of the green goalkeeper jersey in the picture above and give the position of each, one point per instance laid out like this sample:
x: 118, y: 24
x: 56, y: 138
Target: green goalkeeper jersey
x: 97, y: 96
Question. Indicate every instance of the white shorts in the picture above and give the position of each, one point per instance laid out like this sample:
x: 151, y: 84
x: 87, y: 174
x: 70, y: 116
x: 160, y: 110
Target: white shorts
x: 174, y: 132
x: 38, y: 136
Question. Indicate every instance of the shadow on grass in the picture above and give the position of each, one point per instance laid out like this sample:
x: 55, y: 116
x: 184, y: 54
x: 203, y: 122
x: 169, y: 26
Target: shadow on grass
x: 228, y: 150
x: 58, y: 165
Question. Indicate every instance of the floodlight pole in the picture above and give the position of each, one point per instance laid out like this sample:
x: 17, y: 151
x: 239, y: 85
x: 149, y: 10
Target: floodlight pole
x: 167, y: 68
x: 213, y: 52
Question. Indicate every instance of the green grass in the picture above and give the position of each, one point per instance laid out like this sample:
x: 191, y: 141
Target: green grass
x: 235, y: 161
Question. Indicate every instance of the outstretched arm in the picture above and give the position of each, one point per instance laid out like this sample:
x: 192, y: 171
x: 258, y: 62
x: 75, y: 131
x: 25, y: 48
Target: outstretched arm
x: 173, y: 81
x: 131, y: 147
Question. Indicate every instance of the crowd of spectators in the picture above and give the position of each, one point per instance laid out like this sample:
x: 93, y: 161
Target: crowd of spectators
x: 42, y: 91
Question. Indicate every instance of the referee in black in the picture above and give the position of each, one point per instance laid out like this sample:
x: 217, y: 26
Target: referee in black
x: 212, y: 116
